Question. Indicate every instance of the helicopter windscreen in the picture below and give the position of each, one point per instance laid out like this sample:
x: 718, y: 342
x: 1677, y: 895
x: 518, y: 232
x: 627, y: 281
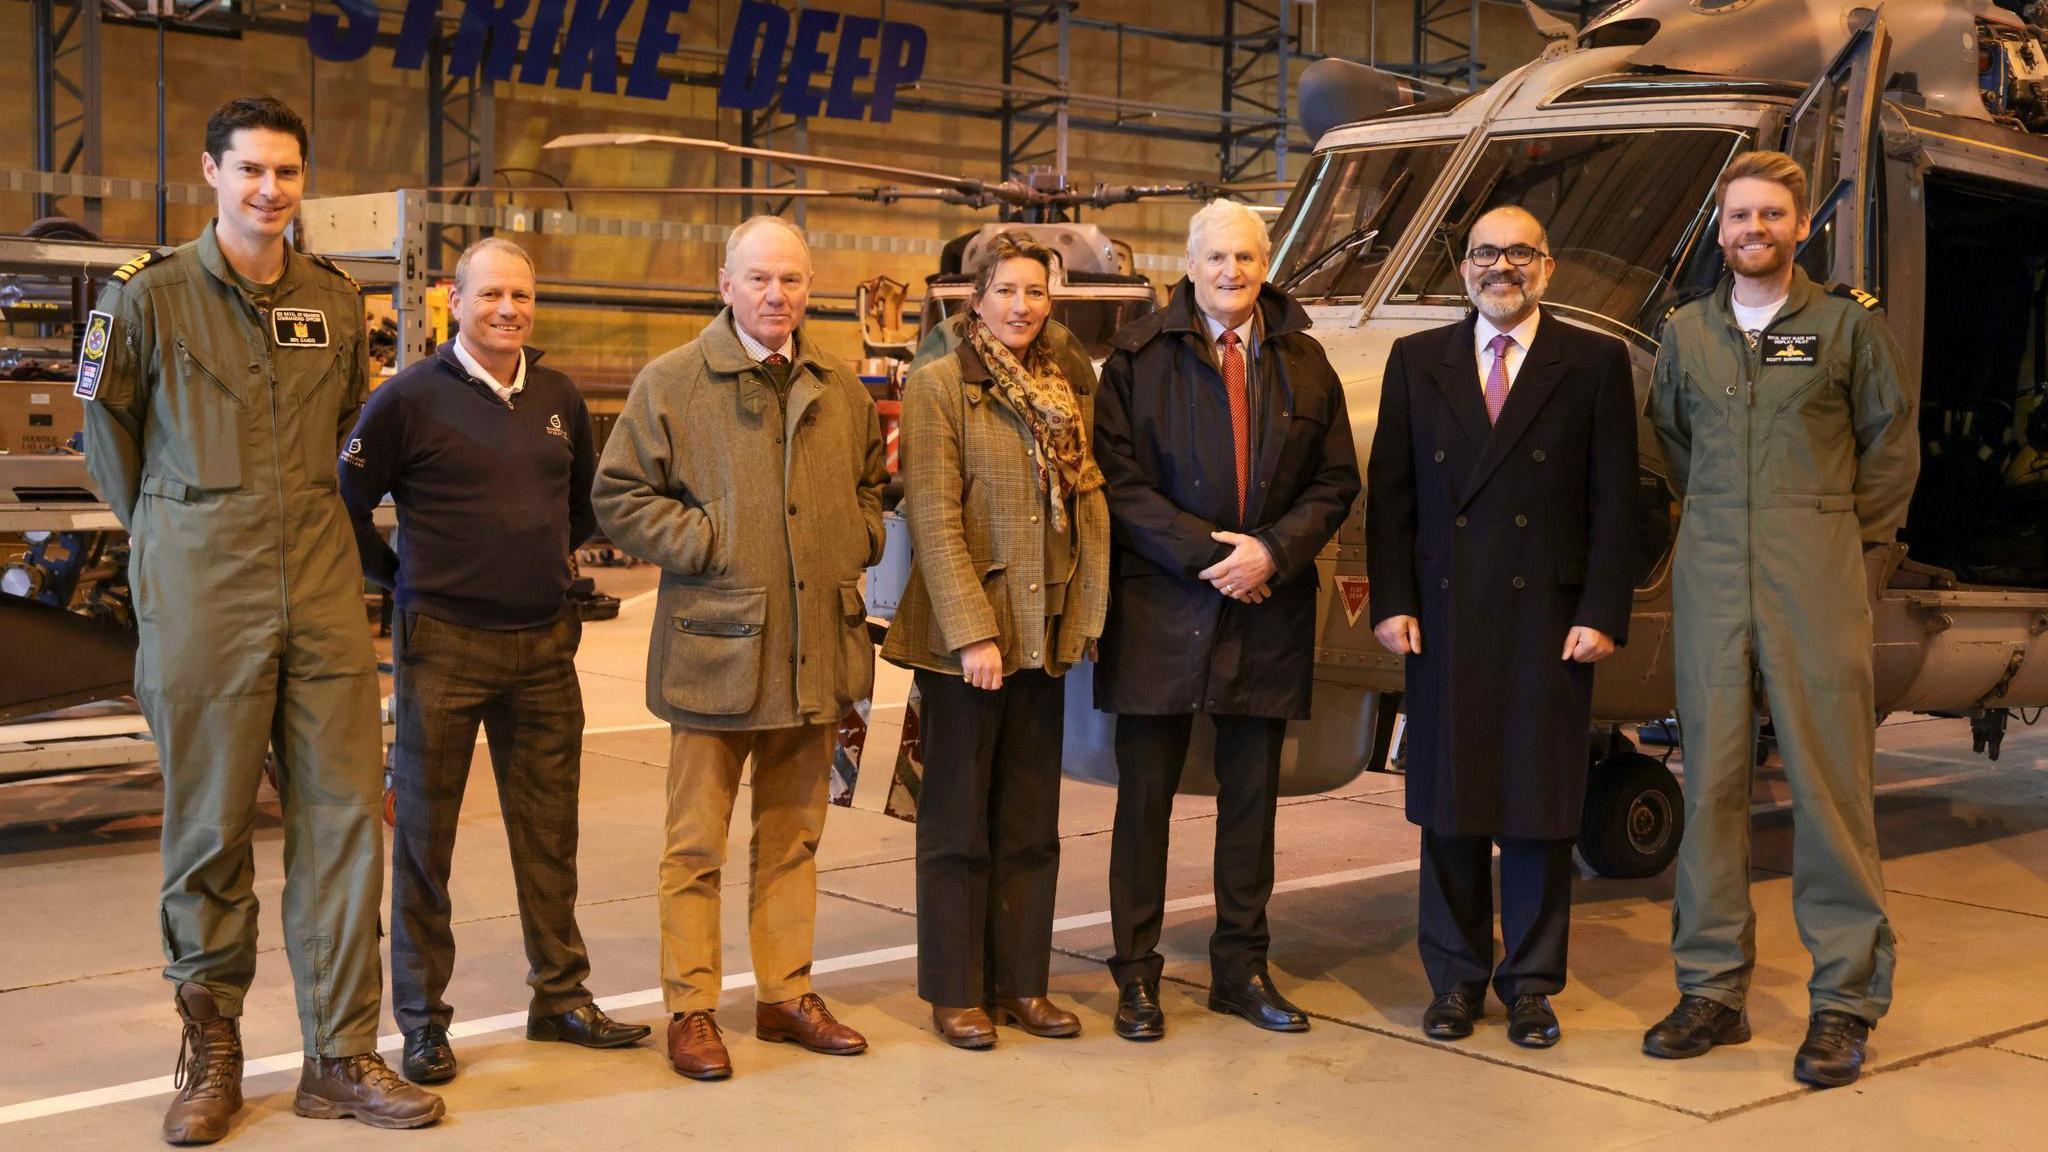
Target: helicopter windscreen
x: 1346, y: 217
x: 1092, y: 319
x: 1630, y: 216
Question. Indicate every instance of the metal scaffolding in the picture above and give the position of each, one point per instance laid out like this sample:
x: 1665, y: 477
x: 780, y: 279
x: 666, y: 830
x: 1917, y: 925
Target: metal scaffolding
x: 1446, y: 41
x: 462, y: 112
x: 64, y: 43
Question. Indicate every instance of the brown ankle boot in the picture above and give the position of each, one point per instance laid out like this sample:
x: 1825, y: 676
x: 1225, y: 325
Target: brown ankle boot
x: 363, y: 1087
x: 209, y: 1076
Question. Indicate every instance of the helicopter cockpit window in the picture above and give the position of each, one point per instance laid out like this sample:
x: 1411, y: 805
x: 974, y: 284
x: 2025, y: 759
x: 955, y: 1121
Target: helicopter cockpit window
x: 1629, y: 215
x: 1345, y: 219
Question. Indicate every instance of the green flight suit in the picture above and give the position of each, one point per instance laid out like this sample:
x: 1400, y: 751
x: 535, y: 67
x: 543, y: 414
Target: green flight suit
x: 212, y: 427
x: 1792, y: 457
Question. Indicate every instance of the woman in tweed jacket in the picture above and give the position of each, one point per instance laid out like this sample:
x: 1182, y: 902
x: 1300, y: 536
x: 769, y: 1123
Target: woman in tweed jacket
x: 1008, y: 589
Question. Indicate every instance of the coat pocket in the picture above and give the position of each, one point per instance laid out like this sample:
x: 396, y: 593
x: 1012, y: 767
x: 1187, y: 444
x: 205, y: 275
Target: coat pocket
x: 856, y: 650
x: 714, y: 650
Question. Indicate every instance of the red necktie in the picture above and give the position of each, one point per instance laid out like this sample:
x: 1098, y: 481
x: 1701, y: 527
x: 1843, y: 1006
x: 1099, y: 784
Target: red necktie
x: 776, y: 360
x: 1497, y: 376
x: 1240, y: 414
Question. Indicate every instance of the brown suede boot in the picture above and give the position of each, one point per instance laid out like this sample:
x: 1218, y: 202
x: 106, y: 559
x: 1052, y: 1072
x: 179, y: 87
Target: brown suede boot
x: 363, y: 1087
x: 209, y: 1076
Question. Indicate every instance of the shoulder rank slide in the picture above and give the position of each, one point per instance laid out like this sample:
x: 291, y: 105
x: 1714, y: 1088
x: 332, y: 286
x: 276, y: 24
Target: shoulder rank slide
x: 1846, y: 292
x: 333, y: 267
x: 142, y: 260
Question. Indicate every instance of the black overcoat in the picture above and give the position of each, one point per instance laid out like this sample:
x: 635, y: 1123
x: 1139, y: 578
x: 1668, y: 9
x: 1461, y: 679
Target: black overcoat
x: 1501, y: 538
x: 1173, y: 643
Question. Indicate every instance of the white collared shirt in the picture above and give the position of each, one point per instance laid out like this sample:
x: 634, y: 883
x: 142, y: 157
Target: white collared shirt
x: 1483, y: 333
x: 1244, y: 336
x: 471, y: 365
x: 760, y: 352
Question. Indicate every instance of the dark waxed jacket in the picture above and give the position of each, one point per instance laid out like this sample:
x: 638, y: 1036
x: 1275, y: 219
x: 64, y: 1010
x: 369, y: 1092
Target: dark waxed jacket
x: 1172, y: 642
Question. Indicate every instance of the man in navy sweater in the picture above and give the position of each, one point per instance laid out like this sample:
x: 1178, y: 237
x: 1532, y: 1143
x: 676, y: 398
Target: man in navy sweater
x: 489, y: 458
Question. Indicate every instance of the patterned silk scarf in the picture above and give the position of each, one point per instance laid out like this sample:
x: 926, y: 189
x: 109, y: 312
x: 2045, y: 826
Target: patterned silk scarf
x: 1037, y: 388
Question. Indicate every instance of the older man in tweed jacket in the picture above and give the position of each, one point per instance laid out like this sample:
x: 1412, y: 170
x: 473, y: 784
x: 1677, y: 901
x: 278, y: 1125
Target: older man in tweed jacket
x: 748, y: 465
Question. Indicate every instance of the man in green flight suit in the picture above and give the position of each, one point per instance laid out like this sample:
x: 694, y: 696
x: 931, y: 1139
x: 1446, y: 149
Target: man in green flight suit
x: 1783, y: 416
x: 219, y: 378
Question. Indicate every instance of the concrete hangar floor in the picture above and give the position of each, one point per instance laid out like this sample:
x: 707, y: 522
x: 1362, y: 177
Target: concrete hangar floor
x: 1962, y: 1062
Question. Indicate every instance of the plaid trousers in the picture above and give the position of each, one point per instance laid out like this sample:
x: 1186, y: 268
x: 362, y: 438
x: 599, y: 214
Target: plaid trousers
x: 521, y: 687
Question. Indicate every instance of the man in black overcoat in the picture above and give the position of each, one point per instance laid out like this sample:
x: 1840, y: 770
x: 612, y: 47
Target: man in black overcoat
x: 1222, y: 433
x: 1500, y: 548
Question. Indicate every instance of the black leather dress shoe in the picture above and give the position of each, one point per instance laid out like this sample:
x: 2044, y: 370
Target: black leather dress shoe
x: 1450, y: 1016
x: 428, y: 1058
x: 1833, y: 1052
x: 1255, y: 999
x: 1138, y: 1015
x: 1531, y: 1023
x: 586, y: 1025
x: 1694, y: 1026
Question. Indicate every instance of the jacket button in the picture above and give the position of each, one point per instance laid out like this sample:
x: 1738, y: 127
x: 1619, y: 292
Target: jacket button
x: 1034, y: 655
x: 799, y: 585
x: 1444, y: 583
x: 1538, y: 454
x: 1034, y: 517
x: 1198, y: 633
x: 255, y: 368
x: 1439, y: 455
x: 1460, y: 521
x: 1031, y: 587
x: 792, y: 509
x: 803, y: 659
x: 1517, y: 581
x: 1521, y: 521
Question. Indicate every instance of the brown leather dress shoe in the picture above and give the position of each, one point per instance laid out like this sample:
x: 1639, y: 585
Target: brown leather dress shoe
x: 964, y: 1027
x: 695, y: 1048
x: 806, y: 1021
x: 364, y: 1088
x: 1037, y: 1015
x: 209, y: 1076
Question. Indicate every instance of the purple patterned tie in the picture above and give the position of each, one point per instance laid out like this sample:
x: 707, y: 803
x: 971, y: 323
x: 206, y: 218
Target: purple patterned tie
x: 1497, y: 377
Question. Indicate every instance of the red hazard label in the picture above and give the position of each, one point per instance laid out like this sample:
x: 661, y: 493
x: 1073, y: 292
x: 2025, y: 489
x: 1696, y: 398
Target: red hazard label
x: 1354, y: 591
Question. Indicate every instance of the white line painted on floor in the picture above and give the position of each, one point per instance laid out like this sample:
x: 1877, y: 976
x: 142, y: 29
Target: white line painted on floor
x: 292, y: 1061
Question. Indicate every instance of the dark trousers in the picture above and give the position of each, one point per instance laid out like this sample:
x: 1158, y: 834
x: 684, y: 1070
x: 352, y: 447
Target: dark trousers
x: 988, y: 836
x: 1149, y: 753
x: 521, y: 687
x: 1455, y: 924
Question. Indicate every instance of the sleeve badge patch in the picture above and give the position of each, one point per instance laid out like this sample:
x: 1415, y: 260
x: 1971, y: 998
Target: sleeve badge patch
x: 92, y: 359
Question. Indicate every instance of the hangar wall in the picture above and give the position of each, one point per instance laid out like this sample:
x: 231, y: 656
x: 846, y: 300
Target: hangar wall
x: 369, y: 125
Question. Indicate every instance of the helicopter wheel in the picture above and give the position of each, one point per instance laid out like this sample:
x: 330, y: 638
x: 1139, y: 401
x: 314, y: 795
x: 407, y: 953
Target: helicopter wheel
x: 1633, y: 817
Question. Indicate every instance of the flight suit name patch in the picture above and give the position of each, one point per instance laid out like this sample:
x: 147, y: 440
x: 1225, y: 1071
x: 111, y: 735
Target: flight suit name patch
x: 298, y: 327
x: 1791, y: 348
x: 92, y: 357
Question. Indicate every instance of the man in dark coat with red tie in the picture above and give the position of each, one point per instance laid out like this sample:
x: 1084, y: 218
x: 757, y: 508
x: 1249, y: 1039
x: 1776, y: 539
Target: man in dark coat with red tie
x: 1499, y: 543
x: 1221, y: 431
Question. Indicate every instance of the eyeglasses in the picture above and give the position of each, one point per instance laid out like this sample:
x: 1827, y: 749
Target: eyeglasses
x: 1519, y: 255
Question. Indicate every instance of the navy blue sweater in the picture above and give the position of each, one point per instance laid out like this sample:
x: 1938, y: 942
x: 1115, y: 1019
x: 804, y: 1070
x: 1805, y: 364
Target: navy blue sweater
x: 492, y: 497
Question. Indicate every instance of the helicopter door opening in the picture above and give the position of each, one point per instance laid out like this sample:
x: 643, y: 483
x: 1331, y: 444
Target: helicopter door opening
x: 1832, y: 131
x: 1981, y: 508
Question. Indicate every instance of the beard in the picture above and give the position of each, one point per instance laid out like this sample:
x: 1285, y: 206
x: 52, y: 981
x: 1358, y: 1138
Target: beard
x: 1499, y: 306
x: 1756, y: 265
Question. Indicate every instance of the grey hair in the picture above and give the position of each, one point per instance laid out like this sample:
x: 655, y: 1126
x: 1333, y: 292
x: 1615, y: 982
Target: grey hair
x: 754, y: 224
x: 1219, y: 211
x: 488, y: 244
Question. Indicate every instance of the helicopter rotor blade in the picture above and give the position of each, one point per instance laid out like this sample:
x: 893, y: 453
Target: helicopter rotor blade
x: 911, y: 176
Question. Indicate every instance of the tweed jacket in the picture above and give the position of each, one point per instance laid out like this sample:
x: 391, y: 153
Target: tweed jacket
x: 978, y: 521
x: 762, y: 522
